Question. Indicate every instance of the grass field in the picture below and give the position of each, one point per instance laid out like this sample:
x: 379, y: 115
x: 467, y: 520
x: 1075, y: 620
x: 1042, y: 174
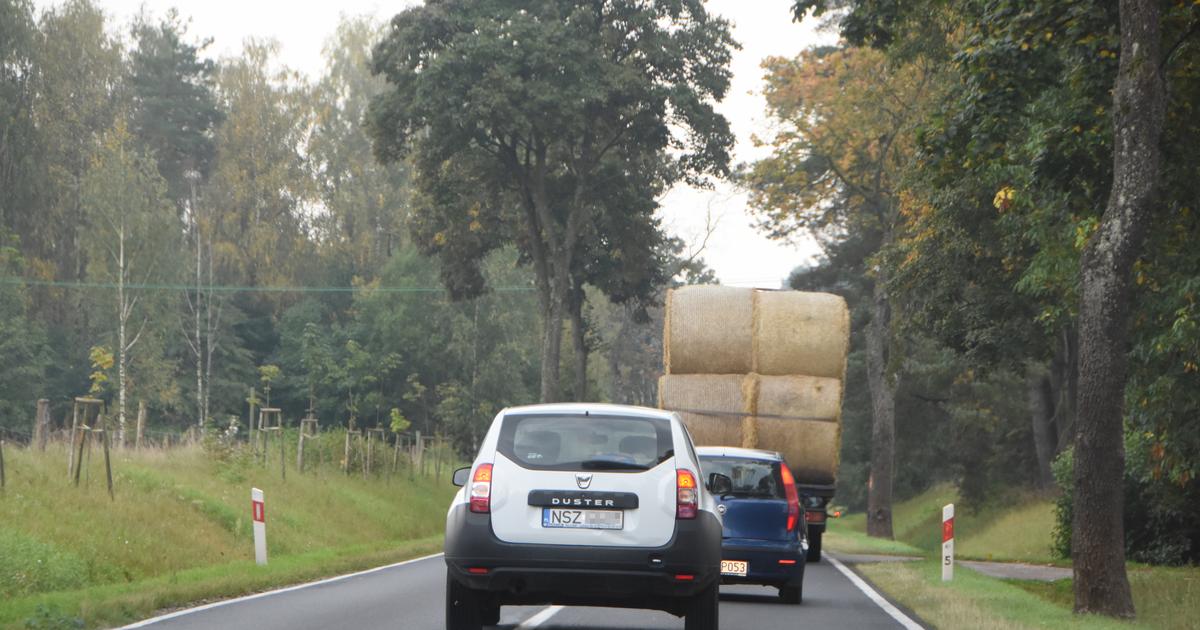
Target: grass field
x: 1017, y: 530
x: 179, y: 531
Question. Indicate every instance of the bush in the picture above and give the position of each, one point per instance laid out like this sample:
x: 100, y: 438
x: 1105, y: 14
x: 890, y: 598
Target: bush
x: 1162, y: 519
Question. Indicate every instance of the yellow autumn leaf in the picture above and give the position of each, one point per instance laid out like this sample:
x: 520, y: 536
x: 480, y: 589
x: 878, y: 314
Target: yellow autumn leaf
x: 439, y: 238
x: 475, y: 226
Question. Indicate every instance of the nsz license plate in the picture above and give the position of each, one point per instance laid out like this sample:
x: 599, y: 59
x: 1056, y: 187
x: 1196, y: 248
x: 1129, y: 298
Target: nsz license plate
x: 733, y: 567
x: 583, y: 519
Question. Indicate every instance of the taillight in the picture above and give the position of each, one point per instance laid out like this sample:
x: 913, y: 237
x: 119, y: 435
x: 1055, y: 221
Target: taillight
x: 481, y: 489
x: 793, y: 500
x: 687, y: 495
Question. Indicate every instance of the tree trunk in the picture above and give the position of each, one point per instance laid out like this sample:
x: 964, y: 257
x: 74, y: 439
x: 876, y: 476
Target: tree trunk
x: 1040, y: 414
x: 552, y: 328
x: 122, y: 347
x: 883, y: 427
x: 1097, y: 533
x: 141, y: 424
x: 579, y: 341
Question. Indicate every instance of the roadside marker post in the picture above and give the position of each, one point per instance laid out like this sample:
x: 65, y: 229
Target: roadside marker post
x: 258, y: 512
x: 948, y: 542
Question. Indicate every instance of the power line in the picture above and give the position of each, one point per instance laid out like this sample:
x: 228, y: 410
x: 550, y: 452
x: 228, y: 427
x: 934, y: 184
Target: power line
x: 238, y: 289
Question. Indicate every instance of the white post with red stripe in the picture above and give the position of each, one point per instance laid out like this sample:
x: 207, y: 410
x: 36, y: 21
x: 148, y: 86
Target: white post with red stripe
x: 948, y: 543
x: 258, y: 512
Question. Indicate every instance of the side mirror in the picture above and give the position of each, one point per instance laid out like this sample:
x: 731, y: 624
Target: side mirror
x: 719, y: 484
x: 461, y: 476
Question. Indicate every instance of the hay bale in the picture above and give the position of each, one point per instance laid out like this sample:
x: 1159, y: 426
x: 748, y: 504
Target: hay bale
x: 807, y: 397
x: 799, y: 416
x: 801, y: 333
x: 709, y: 330
x: 809, y: 433
x: 720, y: 393
x: 810, y: 447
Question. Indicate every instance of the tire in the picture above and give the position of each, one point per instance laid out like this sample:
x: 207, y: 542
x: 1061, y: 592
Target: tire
x: 704, y: 609
x: 814, y: 546
x: 462, y: 607
x: 792, y: 594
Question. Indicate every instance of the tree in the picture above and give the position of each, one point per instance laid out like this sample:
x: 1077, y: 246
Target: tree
x: 22, y: 340
x: 1106, y: 292
x: 174, y: 115
x: 365, y: 201
x: 17, y: 133
x: 130, y: 222
x: 175, y: 109
x: 847, y: 137
x: 519, y: 118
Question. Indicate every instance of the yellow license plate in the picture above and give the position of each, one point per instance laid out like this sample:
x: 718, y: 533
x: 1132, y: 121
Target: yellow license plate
x: 733, y: 567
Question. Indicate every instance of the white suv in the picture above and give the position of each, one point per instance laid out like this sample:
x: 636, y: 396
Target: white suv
x: 586, y: 505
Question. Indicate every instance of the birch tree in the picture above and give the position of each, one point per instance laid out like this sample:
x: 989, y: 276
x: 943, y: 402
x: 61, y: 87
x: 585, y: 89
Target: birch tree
x: 129, y: 223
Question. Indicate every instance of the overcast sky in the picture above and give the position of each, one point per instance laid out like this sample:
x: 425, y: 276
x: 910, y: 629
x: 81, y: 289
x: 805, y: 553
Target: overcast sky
x: 738, y: 253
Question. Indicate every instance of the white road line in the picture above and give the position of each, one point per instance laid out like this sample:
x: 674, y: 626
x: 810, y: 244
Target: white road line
x: 180, y: 613
x: 539, y: 618
x: 879, y: 600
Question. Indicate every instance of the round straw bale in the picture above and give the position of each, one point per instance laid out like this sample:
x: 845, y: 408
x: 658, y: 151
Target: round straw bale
x: 718, y: 394
x: 810, y: 447
x: 709, y: 330
x: 807, y: 397
x: 801, y: 333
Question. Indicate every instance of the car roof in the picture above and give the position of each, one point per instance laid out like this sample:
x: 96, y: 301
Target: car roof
x: 599, y: 409
x: 731, y: 451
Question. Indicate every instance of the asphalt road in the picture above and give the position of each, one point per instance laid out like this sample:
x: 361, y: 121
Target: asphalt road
x: 410, y: 597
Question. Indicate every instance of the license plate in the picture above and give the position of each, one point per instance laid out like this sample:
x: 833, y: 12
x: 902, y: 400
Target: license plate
x: 583, y: 519
x: 733, y: 567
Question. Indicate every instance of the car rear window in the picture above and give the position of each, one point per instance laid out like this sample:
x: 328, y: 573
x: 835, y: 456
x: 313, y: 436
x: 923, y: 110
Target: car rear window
x: 616, y: 443
x: 751, y: 477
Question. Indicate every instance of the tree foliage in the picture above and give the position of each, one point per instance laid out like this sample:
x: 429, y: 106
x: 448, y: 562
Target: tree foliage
x: 521, y: 120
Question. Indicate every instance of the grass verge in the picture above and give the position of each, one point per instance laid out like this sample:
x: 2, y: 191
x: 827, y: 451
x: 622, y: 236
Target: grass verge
x: 1014, y: 530
x: 973, y: 600
x: 843, y: 538
x: 179, y: 530
x: 1165, y: 597
x: 116, y: 604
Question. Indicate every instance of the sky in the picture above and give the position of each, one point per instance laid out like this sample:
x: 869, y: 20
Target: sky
x: 738, y: 253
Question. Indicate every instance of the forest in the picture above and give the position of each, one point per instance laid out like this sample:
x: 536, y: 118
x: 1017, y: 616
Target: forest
x: 189, y: 234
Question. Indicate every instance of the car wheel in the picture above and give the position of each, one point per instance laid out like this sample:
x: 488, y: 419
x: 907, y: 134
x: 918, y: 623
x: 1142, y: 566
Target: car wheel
x: 462, y: 607
x: 814, y: 546
x: 703, y: 611
x: 791, y: 594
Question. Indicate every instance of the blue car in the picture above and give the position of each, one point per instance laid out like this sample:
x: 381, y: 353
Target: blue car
x: 764, y: 539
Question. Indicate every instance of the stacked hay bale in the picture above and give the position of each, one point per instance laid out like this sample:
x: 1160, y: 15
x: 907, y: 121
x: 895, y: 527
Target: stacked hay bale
x: 759, y: 369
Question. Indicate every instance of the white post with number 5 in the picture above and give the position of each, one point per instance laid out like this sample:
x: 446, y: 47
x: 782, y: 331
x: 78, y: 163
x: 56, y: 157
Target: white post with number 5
x: 258, y: 513
x: 948, y: 543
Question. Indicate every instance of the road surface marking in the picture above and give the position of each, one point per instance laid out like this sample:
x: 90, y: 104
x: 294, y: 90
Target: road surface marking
x: 540, y: 618
x: 879, y: 600
x: 188, y: 611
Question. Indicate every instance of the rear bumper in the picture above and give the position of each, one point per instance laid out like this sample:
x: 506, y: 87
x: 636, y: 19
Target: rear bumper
x: 531, y: 574
x: 762, y: 558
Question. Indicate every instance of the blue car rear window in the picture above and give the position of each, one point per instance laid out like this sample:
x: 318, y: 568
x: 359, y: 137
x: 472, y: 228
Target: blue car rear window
x: 752, y: 478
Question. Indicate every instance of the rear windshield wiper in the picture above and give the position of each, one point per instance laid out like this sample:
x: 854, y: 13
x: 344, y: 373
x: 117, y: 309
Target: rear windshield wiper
x: 611, y: 464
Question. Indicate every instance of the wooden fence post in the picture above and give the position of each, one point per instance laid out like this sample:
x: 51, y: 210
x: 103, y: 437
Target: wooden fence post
x: 2, y: 466
x: 77, y: 455
x: 71, y: 449
x: 108, y: 465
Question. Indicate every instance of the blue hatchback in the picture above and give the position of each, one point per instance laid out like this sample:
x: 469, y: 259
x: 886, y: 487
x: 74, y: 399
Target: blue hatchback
x: 764, y: 539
